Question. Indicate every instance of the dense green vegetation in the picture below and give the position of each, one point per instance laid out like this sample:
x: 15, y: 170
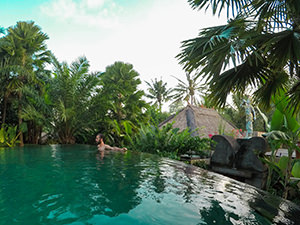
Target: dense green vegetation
x: 258, y: 48
x: 169, y: 141
x: 256, y: 52
x: 23, y: 55
x: 68, y: 103
x: 53, y: 102
x: 43, y: 100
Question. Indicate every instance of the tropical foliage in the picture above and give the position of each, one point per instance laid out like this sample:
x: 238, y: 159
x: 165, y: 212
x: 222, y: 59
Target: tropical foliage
x: 258, y: 47
x: 68, y: 103
x: 283, y: 130
x: 23, y: 54
x: 71, y: 90
x: 119, y: 100
x: 188, y: 91
x: 175, y: 107
x: 168, y: 141
x: 156, y: 116
x: 8, y: 136
x: 158, y: 92
x: 280, y: 172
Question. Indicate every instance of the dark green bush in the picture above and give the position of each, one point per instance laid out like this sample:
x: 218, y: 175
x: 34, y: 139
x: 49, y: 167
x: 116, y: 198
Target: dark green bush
x: 169, y: 142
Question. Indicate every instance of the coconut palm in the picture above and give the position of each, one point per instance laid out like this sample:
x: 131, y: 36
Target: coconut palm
x: 259, y: 47
x: 158, y: 92
x: 189, y: 90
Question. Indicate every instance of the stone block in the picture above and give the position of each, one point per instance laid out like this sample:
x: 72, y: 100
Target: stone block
x: 247, y: 156
x: 224, y: 150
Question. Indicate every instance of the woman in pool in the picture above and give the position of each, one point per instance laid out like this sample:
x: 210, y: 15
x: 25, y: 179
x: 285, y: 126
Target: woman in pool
x: 101, y: 146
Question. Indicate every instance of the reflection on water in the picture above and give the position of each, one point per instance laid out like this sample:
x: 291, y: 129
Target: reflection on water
x: 78, y: 185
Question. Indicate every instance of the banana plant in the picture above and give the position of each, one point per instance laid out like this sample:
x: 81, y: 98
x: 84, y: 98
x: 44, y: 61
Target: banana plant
x: 122, y: 132
x: 8, y: 136
x: 283, y: 129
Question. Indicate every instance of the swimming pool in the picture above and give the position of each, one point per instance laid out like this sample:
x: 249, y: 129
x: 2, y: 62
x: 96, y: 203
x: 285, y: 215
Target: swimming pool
x: 75, y: 185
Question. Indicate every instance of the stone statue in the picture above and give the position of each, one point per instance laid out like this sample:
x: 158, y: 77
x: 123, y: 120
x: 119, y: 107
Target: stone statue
x: 250, y: 117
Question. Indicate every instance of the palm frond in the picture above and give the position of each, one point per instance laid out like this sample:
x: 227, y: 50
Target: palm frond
x: 233, y: 7
x: 293, y: 98
x: 237, y: 80
x: 274, y: 85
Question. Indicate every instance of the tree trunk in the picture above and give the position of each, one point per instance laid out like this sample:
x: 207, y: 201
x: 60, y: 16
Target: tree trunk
x: 39, y: 140
x: 21, y: 134
x: 29, y: 132
x: 36, y: 134
x: 4, y: 109
x: 20, y: 121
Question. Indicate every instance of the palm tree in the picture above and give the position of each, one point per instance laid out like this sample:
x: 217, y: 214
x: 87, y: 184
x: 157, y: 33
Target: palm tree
x: 71, y: 92
x: 4, y: 79
x: 25, y: 45
x: 119, y: 101
x: 259, y: 47
x: 188, y: 91
x: 159, y: 92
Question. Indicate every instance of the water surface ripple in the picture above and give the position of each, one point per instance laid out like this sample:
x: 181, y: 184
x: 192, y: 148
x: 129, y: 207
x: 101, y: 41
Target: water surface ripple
x: 76, y: 185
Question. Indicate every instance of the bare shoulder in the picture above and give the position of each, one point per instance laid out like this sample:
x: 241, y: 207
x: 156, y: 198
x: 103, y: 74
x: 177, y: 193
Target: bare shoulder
x: 107, y: 147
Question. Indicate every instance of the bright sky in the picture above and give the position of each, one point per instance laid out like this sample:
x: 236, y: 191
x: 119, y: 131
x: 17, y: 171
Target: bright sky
x: 145, y: 33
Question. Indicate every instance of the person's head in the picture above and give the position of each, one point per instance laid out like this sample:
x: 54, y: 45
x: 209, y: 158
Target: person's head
x: 99, y: 137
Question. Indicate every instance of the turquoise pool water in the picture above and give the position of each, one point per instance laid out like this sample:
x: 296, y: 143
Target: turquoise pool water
x: 75, y: 185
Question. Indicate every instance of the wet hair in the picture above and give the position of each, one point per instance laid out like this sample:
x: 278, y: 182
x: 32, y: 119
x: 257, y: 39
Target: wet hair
x: 101, y: 136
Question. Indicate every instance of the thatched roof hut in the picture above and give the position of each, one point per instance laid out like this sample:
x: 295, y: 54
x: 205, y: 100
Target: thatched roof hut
x: 208, y: 121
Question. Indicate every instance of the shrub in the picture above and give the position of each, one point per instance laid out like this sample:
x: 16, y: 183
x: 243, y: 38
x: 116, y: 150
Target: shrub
x: 169, y: 141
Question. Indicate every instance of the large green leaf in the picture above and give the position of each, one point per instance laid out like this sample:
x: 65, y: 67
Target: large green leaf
x: 277, y: 120
x: 296, y: 170
x: 11, y: 132
x: 283, y: 163
x: 2, y: 135
x: 265, y: 118
x: 282, y: 104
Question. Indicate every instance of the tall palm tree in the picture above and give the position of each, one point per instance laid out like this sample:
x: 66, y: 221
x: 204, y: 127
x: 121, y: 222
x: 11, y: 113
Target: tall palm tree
x: 4, y: 78
x: 119, y: 101
x: 259, y: 47
x: 158, y: 92
x: 28, y: 52
x: 71, y: 95
x: 189, y: 90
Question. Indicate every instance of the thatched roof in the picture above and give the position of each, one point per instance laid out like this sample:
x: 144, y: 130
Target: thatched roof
x: 208, y: 121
